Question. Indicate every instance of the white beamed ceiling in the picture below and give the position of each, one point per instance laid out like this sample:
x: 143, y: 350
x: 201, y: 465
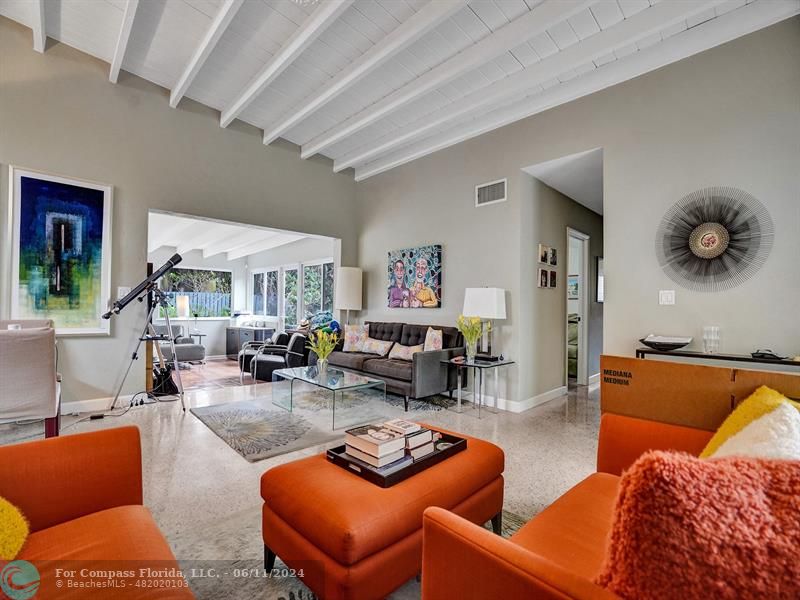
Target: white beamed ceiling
x: 185, y: 234
x: 374, y: 84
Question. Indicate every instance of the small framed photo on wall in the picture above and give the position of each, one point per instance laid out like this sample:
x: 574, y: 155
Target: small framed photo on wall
x: 553, y: 257
x: 543, y: 278
x: 544, y: 254
x: 553, y: 279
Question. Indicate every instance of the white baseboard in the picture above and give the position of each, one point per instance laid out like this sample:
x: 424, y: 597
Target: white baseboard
x: 594, y: 379
x: 518, y: 406
x: 93, y: 405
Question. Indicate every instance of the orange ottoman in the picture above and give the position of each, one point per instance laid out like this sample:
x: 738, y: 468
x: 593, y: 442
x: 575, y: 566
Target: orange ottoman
x: 355, y: 540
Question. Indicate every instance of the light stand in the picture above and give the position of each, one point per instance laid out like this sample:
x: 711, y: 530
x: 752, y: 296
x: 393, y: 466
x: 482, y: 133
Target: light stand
x: 162, y: 300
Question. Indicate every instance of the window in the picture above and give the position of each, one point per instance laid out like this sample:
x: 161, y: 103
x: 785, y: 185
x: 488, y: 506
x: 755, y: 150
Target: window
x: 209, y: 291
x: 294, y: 292
x: 290, y: 297
x: 317, y: 288
x: 265, y: 293
x: 327, y: 286
x: 271, y: 293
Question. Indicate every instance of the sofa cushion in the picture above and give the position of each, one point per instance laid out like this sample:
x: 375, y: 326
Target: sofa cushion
x: 388, y: 332
x: 434, y: 339
x: 124, y: 533
x: 759, y: 403
x: 349, y: 360
x: 379, y: 347
x: 354, y: 338
x: 400, y: 352
x: 389, y: 367
x: 685, y: 527
x: 350, y: 518
x: 415, y: 334
x: 572, y: 531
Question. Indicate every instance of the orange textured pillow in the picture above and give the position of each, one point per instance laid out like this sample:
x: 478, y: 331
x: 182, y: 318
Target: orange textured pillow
x: 685, y: 527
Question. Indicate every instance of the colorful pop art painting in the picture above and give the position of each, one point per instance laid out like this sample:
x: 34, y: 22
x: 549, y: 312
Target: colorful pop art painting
x: 415, y: 277
x: 61, y: 251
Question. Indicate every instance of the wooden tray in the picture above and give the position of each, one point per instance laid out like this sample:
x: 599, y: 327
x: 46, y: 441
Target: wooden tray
x: 339, y: 457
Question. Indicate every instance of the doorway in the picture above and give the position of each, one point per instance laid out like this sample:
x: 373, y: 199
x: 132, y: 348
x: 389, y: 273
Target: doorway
x: 576, y: 298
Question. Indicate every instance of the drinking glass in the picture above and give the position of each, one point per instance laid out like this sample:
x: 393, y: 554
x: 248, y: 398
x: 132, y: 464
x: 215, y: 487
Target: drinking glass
x: 711, y: 339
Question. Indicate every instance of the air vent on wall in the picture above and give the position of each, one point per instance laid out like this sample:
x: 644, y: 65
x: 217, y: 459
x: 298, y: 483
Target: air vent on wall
x: 490, y: 193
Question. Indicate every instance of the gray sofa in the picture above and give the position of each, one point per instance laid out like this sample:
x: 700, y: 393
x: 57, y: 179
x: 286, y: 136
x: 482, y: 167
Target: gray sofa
x: 185, y: 346
x: 418, y: 378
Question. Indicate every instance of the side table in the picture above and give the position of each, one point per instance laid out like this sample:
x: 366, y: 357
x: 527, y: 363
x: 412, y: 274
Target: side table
x: 478, y: 367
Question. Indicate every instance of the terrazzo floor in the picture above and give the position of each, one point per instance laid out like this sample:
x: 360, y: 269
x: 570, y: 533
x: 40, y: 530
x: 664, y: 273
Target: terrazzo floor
x: 205, y: 497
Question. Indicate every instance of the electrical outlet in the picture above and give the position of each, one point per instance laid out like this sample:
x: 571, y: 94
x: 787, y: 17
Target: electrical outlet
x: 666, y: 297
x: 122, y: 292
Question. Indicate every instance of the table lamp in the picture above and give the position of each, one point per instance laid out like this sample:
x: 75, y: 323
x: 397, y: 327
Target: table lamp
x: 348, y: 290
x: 486, y: 303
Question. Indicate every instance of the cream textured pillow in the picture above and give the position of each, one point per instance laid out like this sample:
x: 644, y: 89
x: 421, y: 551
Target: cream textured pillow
x: 776, y: 435
x: 401, y: 352
x: 433, y: 339
x: 379, y: 347
x: 354, y: 337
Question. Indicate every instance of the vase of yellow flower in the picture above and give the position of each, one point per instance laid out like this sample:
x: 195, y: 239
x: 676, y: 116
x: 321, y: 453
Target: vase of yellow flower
x: 322, y: 343
x: 470, y: 328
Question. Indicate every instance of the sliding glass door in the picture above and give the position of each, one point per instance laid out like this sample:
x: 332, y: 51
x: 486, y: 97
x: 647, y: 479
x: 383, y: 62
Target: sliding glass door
x: 293, y: 292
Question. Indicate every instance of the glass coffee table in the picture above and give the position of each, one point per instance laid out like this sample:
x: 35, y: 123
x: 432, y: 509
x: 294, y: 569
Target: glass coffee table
x: 336, y: 385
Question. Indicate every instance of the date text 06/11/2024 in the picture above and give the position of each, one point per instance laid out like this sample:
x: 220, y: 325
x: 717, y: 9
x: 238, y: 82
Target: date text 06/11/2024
x: 253, y: 573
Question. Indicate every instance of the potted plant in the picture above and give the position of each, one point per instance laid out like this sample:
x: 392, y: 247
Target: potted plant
x: 322, y: 343
x: 471, y: 329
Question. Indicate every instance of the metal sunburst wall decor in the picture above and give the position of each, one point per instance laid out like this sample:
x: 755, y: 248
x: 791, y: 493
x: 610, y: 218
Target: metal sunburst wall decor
x: 714, y: 239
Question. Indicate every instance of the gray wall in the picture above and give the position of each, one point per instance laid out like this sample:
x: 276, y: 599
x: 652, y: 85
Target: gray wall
x: 59, y: 113
x: 728, y: 116
x: 546, y: 214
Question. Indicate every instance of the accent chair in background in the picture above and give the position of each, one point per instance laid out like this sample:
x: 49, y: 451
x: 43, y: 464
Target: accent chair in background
x: 30, y: 387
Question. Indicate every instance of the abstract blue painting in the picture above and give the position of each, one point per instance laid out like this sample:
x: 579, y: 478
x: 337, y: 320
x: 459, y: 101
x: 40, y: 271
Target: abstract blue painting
x: 61, y: 251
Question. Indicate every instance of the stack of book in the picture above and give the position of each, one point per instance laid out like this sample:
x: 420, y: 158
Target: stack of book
x: 389, y: 445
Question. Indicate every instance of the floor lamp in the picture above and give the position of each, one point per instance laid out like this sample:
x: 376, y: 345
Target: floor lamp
x: 348, y: 290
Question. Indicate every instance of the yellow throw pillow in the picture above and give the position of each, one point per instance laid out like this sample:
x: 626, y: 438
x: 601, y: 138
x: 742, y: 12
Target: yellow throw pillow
x: 13, y: 530
x: 764, y: 400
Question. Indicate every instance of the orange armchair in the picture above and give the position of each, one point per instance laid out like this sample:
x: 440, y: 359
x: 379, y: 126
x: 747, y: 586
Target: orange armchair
x: 56, y: 480
x: 559, y: 552
x: 82, y: 495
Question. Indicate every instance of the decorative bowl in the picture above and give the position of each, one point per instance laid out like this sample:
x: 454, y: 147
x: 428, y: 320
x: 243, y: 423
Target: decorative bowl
x: 665, y: 345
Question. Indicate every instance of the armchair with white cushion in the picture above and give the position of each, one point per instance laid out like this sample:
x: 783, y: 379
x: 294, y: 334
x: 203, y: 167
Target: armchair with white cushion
x: 30, y: 387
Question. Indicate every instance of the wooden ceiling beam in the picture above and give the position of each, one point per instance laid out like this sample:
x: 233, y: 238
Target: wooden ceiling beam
x: 218, y: 26
x: 39, y: 31
x: 323, y: 17
x: 709, y: 34
x: 122, y: 40
x: 524, y: 82
x: 529, y: 25
x: 431, y: 15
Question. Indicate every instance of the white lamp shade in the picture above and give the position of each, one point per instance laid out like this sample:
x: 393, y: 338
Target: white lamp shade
x: 348, y: 289
x: 486, y: 303
x: 182, y: 306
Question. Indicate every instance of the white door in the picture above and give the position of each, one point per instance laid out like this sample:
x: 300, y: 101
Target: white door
x: 577, y: 302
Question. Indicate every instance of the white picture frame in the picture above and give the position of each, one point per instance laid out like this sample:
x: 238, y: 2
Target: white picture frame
x: 72, y: 321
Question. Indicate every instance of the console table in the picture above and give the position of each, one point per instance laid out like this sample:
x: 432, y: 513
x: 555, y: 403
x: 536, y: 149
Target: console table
x: 644, y: 352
